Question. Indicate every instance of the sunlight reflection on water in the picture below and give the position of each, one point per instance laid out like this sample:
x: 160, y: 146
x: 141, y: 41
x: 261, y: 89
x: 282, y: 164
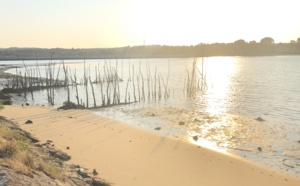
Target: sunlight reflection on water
x: 219, y: 74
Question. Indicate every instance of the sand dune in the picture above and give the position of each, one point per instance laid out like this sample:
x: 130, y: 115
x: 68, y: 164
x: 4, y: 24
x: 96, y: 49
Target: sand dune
x: 129, y: 156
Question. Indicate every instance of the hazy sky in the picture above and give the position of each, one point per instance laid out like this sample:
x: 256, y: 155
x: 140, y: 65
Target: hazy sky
x: 117, y: 23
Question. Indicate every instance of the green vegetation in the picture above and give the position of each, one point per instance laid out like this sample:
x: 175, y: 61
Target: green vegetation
x: 50, y: 171
x: 12, y: 142
x: 23, y: 145
x: 11, y: 135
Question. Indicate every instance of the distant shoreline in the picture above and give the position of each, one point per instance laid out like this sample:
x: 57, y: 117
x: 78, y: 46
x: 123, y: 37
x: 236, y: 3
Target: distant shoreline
x: 144, y: 57
x: 75, y: 58
x: 237, y: 48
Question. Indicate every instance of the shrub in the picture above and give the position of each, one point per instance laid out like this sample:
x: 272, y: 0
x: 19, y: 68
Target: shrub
x: 23, y: 145
x: 70, y: 105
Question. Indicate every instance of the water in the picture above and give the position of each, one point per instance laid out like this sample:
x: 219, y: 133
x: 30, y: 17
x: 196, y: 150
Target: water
x: 252, y: 87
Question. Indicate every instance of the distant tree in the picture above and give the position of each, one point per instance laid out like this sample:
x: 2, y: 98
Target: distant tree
x: 240, y: 42
x: 292, y: 41
x: 267, y: 40
x: 298, y: 40
x: 252, y: 41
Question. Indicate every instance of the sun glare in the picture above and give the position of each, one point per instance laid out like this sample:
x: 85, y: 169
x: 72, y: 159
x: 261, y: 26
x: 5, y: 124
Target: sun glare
x: 208, y: 144
x: 166, y: 22
x: 197, y: 21
x: 219, y: 72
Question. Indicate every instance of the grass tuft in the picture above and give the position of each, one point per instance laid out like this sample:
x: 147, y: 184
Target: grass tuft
x: 23, y: 145
x: 27, y: 159
x: 50, y: 171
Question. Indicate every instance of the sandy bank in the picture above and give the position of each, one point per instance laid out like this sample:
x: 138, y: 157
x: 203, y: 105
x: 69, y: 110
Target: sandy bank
x: 125, y: 155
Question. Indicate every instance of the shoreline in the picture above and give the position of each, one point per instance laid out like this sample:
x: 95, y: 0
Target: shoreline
x: 126, y: 155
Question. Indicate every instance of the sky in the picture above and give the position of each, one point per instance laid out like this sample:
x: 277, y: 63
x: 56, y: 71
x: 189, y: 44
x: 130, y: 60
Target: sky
x: 119, y: 23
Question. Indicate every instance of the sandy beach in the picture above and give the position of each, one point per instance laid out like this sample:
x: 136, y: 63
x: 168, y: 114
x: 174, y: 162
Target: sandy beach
x: 128, y: 156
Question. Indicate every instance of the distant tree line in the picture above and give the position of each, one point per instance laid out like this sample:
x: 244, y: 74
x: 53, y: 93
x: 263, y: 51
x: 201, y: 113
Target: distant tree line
x: 265, y: 47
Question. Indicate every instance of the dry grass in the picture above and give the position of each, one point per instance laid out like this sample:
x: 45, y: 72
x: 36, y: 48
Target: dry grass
x: 15, y: 164
x: 12, y: 142
x: 9, y: 149
x: 27, y: 159
x: 50, y: 171
x: 15, y: 152
x: 8, y: 134
x: 5, y: 132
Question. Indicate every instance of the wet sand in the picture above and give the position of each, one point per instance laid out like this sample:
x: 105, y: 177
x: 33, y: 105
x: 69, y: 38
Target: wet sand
x: 125, y: 155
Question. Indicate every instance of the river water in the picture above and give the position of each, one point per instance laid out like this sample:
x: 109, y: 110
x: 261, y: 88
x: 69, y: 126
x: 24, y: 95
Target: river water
x: 238, y: 90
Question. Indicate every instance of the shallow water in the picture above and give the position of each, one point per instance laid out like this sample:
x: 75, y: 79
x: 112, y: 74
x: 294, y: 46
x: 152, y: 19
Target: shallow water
x: 252, y: 87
